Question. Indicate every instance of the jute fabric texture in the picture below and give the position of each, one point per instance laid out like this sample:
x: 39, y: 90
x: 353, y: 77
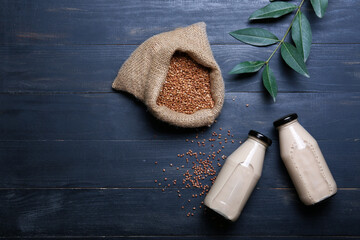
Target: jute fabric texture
x: 144, y: 73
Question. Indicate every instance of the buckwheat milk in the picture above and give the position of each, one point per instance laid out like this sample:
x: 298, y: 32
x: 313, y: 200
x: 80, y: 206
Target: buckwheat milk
x: 304, y: 161
x: 238, y: 177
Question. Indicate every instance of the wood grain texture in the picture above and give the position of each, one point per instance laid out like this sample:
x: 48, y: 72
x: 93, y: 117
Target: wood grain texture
x: 116, y: 116
x: 187, y: 237
x: 133, y: 21
x: 72, y: 69
x: 144, y: 212
x: 77, y: 159
x: 131, y: 164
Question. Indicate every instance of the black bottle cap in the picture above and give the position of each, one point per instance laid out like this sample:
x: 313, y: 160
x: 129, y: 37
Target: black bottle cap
x: 285, y: 119
x: 260, y: 136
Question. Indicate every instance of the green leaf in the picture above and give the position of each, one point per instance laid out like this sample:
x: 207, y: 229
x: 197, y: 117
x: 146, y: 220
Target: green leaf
x: 273, y: 10
x: 269, y: 82
x: 255, y: 36
x: 247, y: 67
x: 319, y: 7
x: 301, y: 35
x: 293, y: 58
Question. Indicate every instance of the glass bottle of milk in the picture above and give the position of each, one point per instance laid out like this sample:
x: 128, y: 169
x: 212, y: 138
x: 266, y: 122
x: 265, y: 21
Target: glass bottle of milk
x: 304, y: 161
x: 238, y: 177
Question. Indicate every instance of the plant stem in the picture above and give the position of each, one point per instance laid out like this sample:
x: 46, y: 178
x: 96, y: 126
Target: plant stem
x: 287, y: 32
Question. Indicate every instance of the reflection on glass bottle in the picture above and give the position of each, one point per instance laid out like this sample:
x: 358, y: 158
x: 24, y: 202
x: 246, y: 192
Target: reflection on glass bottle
x: 238, y: 177
x: 304, y: 161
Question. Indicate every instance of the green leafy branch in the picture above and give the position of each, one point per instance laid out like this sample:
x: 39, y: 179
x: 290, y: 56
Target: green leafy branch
x: 294, y: 56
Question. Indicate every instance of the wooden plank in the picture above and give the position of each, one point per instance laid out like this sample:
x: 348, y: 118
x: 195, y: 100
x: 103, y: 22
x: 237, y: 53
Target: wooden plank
x: 116, y: 116
x: 116, y: 164
x: 63, y: 68
x: 133, y: 21
x: 77, y: 165
x: 144, y: 212
x: 190, y: 237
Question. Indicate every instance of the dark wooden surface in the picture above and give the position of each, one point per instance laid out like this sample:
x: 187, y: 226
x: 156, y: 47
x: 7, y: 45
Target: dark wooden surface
x: 77, y: 159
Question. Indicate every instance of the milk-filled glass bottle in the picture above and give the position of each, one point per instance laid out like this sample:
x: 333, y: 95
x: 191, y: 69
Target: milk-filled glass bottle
x: 238, y: 177
x: 304, y: 161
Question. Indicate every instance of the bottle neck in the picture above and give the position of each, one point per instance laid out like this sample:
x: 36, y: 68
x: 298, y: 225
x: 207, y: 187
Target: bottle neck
x: 293, y: 122
x: 252, y: 154
x: 257, y: 141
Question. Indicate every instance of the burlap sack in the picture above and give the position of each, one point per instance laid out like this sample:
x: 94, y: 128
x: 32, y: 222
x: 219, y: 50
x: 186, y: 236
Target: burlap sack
x: 144, y: 73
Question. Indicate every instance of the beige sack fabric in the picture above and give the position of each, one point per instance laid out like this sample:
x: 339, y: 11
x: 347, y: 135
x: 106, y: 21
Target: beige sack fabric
x: 144, y: 73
